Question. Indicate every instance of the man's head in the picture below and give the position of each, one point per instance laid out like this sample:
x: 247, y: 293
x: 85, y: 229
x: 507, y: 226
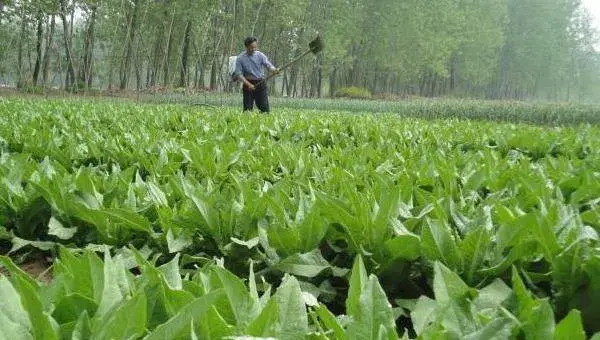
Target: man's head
x: 251, y: 45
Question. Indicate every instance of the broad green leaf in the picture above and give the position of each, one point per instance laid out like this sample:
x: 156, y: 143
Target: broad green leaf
x: 293, y: 320
x: 374, y: 312
x: 493, y: 295
x: 209, y: 214
x: 40, y: 320
x: 248, y: 244
x: 423, y: 314
x: 171, y: 273
x: 71, y: 306
x: 179, y: 242
x: 329, y: 322
x: 82, y: 274
x: 570, y: 328
x: 157, y: 195
x: 448, y: 286
x: 15, y: 271
x: 127, y: 321
x: 56, y: 228
x: 453, y: 297
x: 128, y: 219
x: 498, y: 329
x: 267, y: 322
x: 358, y: 280
x: 213, y: 326
x: 14, y: 321
x: 83, y: 328
x: 241, y: 304
x: 536, y: 315
x: 116, y: 284
x: 18, y: 243
x: 178, y: 324
x: 438, y: 244
x: 406, y: 247
x: 474, y: 249
x: 306, y: 265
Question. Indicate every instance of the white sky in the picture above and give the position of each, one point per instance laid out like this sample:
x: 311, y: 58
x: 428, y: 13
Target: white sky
x: 593, y: 7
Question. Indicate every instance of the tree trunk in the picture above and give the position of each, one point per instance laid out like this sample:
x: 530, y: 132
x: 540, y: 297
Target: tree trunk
x: 155, y: 69
x: 85, y: 72
x: 213, y: 75
x: 38, y: 47
x: 167, y: 53
x: 20, y: 75
x: 126, y: 65
x: 183, y: 80
x: 49, y: 43
x: 67, y: 40
x: 333, y: 82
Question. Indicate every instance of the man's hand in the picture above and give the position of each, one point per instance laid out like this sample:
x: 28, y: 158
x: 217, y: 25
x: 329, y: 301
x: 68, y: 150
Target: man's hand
x: 250, y: 86
x: 275, y: 70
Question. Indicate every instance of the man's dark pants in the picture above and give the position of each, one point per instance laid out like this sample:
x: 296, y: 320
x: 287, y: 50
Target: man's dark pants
x: 258, y: 95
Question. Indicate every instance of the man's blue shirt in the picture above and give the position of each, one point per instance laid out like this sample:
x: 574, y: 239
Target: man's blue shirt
x: 251, y: 66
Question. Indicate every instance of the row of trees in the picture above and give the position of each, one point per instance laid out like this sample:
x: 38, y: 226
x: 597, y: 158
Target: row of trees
x: 499, y: 49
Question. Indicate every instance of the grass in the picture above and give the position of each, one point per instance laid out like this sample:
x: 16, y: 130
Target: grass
x: 552, y: 114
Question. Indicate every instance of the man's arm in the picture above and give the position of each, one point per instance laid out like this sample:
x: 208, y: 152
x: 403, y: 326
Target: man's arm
x: 268, y: 64
x: 239, y: 74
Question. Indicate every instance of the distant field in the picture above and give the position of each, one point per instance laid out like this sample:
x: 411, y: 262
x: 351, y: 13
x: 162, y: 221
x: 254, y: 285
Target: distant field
x: 503, y: 111
x: 203, y: 222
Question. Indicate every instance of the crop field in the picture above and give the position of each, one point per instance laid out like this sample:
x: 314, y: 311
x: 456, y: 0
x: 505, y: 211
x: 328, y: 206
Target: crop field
x: 189, y: 222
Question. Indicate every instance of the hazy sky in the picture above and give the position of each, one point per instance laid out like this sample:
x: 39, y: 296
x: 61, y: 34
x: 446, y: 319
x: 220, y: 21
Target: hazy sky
x: 593, y: 7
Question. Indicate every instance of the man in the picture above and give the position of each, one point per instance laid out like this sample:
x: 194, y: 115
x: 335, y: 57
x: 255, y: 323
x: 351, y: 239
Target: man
x: 249, y: 68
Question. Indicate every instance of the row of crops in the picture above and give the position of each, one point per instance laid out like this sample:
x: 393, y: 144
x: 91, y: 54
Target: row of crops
x: 183, y: 222
x: 505, y: 111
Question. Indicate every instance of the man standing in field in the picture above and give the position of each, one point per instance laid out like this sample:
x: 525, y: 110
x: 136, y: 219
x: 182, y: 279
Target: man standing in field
x: 249, y: 68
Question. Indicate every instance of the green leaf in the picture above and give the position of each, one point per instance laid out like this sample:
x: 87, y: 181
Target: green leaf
x: 15, y: 271
x: 171, y: 273
x: 423, y: 314
x: 406, y: 247
x: 179, y: 243
x: 116, y: 284
x: 374, y: 312
x: 493, y: 295
x: 474, y: 249
x: 248, y: 244
x: 14, y: 321
x: 18, y: 243
x: 497, y: 329
x: 448, y: 286
x: 128, y: 219
x: 536, y: 315
x: 70, y: 307
x: 213, y: 326
x: 82, y: 274
x: 56, y: 228
x: 209, y: 214
x: 83, y: 328
x: 293, y: 320
x: 330, y: 322
x: 306, y: 265
x: 240, y: 302
x: 358, y: 280
x: 42, y: 325
x: 267, y: 322
x: 570, y: 328
x: 127, y: 321
x: 157, y: 195
x: 439, y: 245
x: 179, y: 323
